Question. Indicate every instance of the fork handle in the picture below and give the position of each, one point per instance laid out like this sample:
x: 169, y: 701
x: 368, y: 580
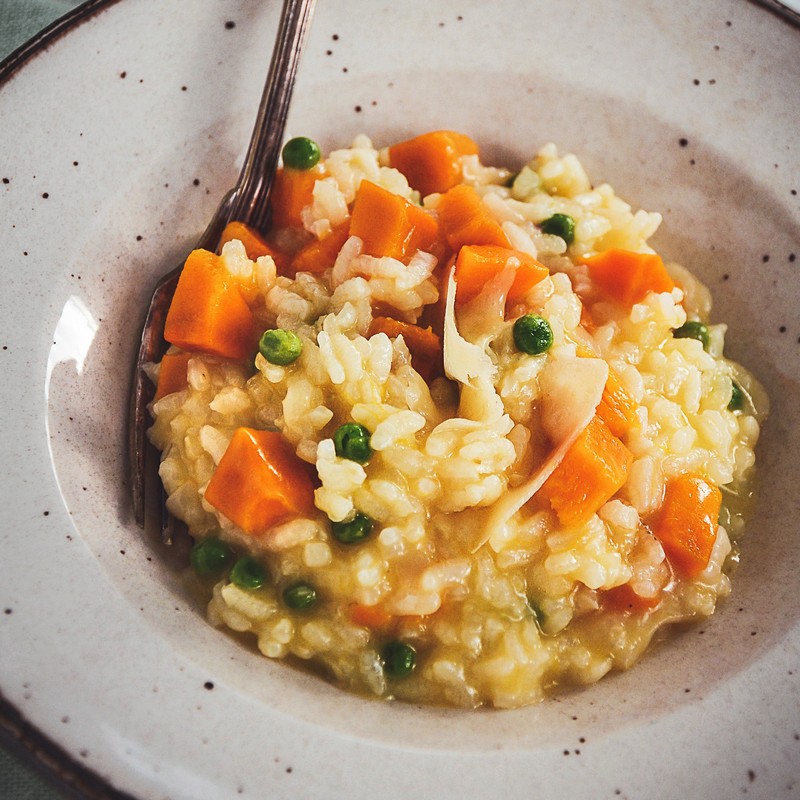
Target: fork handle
x: 249, y: 201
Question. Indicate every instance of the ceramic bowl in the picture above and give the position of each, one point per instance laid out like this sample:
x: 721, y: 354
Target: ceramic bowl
x: 121, y: 133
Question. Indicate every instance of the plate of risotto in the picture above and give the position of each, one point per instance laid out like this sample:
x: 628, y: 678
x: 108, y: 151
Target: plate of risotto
x: 481, y: 455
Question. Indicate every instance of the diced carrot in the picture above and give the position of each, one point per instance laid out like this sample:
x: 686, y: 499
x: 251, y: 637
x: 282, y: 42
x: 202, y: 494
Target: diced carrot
x: 172, y: 374
x: 592, y: 471
x: 208, y: 313
x: 628, y: 277
x: 463, y: 219
x: 369, y: 616
x: 617, y: 408
x: 389, y: 225
x: 254, y: 244
x: 260, y: 482
x: 319, y: 254
x: 430, y: 162
x: 686, y: 524
x: 624, y: 598
x: 423, y: 344
x: 478, y: 264
x: 292, y: 191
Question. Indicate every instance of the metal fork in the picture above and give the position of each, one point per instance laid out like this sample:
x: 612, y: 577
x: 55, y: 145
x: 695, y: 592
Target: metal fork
x: 247, y: 202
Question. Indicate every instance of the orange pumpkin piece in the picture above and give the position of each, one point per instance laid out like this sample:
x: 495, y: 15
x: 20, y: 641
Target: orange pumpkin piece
x: 593, y: 470
x: 254, y: 244
x: 464, y: 219
x: 260, y: 482
x: 208, y: 313
x: 369, y: 616
x: 423, y: 344
x: 628, y: 277
x: 172, y: 374
x: 617, y: 408
x: 431, y: 162
x: 686, y: 524
x: 319, y: 254
x: 389, y: 225
x: 478, y: 264
x: 291, y: 192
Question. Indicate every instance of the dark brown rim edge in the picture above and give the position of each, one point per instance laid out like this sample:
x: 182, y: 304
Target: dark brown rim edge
x: 42, y: 40
x: 50, y: 761
x: 780, y: 10
x: 17, y: 734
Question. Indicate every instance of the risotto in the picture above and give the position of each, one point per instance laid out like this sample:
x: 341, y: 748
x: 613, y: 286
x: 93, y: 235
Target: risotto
x: 451, y: 434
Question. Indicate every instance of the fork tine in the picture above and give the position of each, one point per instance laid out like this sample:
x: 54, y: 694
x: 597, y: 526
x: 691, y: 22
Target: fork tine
x: 151, y: 349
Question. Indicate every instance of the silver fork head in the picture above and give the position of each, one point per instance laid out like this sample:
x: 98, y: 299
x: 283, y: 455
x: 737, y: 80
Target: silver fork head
x: 248, y: 203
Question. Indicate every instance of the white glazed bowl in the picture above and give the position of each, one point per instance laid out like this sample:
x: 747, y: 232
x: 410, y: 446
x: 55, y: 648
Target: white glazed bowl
x: 118, y: 140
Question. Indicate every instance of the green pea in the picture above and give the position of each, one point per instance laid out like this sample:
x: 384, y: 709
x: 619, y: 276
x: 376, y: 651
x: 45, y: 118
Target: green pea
x: 352, y: 530
x: 247, y: 573
x: 300, y: 596
x: 280, y: 346
x: 536, y: 612
x: 533, y: 334
x: 692, y: 329
x: 399, y: 659
x: 210, y: 556
x: 737, y: 397
x: 300, y: 153
x: 352, y: 441
x: 562, y: 225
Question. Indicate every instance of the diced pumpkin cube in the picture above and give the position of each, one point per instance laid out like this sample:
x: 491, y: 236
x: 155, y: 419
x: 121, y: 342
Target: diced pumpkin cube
x: 208, y: 313
x: 260, y: 482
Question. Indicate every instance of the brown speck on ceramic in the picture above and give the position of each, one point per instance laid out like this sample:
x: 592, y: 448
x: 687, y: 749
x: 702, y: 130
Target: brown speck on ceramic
x: 459, y: 18
x: 358, y: 109
x: 716, y: 47
x: 123, y: 74
x: 288, y: 770
x: 692, y: 162
x: 344, y: 69
x: 725, y: 276
x: 8, y: 611
x: 230, y: 25
x: 793, y: 192
x: 84, y: 754
x: 329, y: 52
x: 196, y: 182
x: 441, y: 24
x: 208, y: 685
x: 45, y: 195
x: 792, y: 258
x: 184, y: 88
x: 782, y: 329
x: 65, y: 719
x: 683, y: 141
x: 74, y: 163
x: 139, y: 238
x: 335, y: 37
x: 765, y: 257
x: 6, y: 180
x: 566, y: 752
x: 728, y: 23
x: 751, y: 775
x: 696, y: 81
x: 712, y: 81
x: 45, y: 513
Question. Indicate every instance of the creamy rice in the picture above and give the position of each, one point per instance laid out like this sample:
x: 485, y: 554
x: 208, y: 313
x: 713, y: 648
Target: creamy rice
x: 498, y: 601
